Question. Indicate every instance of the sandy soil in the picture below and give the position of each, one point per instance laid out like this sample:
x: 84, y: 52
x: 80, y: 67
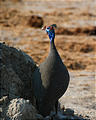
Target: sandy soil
x: 75, y: 41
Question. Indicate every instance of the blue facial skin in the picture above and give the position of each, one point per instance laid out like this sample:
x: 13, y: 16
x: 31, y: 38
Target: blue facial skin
x: 51, y: 34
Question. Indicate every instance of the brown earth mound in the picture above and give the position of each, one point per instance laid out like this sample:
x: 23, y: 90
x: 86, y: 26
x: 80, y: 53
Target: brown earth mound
x: 13, y: 17
x: 76, y: 31
x: 36, y: 21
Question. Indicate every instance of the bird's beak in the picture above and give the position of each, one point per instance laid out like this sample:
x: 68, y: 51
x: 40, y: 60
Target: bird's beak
x: 44, y: 27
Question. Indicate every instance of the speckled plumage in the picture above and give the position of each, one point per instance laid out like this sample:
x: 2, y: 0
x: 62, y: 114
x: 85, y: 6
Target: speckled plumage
x: 54, y: 77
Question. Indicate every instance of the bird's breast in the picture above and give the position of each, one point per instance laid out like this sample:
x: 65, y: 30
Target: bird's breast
x: 53, y: 71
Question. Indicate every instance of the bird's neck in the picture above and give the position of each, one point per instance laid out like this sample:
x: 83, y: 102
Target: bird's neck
x: 52, y: 45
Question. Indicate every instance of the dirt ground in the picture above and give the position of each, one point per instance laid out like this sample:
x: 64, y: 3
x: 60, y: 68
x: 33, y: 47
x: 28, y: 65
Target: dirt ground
x: 75, y: 41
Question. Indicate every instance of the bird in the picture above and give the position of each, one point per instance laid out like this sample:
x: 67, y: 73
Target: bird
x: 54, y: 77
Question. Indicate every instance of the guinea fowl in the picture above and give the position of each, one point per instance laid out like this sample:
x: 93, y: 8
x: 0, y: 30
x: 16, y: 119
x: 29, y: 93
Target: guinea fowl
x: 54, y: 76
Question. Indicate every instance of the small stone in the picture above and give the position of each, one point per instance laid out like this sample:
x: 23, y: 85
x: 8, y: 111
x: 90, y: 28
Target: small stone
x: 3, y: 42
x: 47, y: 118
x: 69, y: 111
x: 4, y: 100
x: 87, y: 116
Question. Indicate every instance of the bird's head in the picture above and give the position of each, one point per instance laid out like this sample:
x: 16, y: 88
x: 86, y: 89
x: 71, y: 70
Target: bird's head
x: 50, y: 30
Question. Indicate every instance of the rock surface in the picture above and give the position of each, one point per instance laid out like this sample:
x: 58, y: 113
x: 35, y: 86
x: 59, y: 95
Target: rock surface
x: 16, y: 70
x: 19, y: 109
x: 16, y: 75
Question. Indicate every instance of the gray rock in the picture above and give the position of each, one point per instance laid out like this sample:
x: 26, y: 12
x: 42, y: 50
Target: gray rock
x: 16, y: 69
x: 16, y: 75
x: 20, y: 109
x: 69, y: 112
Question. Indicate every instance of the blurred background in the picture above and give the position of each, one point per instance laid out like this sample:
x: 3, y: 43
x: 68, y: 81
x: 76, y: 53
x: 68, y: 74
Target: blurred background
x: 20, y: 26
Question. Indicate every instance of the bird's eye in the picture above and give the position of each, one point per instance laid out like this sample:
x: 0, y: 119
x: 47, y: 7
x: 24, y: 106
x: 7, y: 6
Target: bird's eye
x: 48, y: 28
